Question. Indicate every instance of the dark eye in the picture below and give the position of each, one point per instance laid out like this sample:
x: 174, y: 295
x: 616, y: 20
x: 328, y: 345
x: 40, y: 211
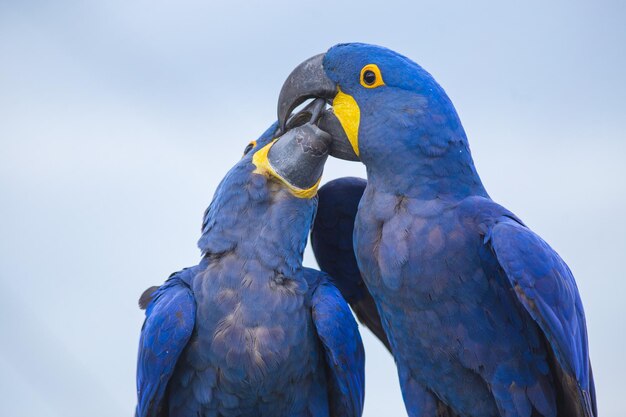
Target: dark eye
x: 248, y: 148
x: 369, y: 77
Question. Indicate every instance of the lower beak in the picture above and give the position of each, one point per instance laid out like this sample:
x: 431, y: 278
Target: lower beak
x: 340, y: 146
x: 309, y: 81
x: 297, y: 157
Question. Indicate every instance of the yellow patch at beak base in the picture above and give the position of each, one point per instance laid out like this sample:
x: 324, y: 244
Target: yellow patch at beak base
x: 263, y: 167
x: 347, y: 111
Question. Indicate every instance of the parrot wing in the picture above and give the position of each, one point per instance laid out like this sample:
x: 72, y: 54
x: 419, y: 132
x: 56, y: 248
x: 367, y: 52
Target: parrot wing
x: 331, y: 239
x: 170, y: 319
x: 343, y: 350
x: 545, y: 286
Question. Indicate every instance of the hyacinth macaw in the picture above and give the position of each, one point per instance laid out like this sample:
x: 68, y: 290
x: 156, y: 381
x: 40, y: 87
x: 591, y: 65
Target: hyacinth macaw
x: 483, y: 317
x: 249, y: 331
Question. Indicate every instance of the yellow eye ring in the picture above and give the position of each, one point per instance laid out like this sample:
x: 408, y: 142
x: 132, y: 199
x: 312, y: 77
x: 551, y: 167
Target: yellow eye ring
x: 250, y: 146
x: 371, y: 76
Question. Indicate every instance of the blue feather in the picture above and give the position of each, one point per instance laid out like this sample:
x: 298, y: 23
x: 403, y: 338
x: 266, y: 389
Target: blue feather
x: 343, y: 349
x: 331, y: 239
x: 170, y: 318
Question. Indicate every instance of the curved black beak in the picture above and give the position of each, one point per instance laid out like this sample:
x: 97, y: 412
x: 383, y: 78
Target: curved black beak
x: 299, y: 155
x: 309, y: 81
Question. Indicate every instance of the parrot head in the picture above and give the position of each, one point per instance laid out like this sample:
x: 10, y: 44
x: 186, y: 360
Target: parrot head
x: 275, y: 180
x: 268, y: 199
x: 385, y: 110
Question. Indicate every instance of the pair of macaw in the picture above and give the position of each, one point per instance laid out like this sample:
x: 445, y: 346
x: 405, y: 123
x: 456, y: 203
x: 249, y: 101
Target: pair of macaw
x: 482, y: 317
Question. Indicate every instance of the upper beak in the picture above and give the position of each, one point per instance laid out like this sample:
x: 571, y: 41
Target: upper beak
x: 309, y: 81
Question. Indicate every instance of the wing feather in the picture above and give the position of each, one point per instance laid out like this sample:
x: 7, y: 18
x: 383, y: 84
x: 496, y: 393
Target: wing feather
x: 343, y: 348
x: 546, y: 288
x: 331, y: 239
x: 170, y: 320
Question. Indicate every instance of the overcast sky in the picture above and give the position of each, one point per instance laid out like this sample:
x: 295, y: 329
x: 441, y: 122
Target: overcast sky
x: 119, y: 118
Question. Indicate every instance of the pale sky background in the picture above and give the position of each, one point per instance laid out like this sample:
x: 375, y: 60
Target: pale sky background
x: 118, y: 119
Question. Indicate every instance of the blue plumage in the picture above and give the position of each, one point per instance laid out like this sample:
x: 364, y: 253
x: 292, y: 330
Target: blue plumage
x: 331, y: 239
x: 482, y: 316
x: 170, y: 319
x: 546, y: 288
x: 342, y: 347
x: 249, y: 331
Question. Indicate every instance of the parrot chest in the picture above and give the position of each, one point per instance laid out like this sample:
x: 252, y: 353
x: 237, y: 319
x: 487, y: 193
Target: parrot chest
x: 450, y: 318
x: 421, y: 263
x: 403, y: 244
x: 254, y: 341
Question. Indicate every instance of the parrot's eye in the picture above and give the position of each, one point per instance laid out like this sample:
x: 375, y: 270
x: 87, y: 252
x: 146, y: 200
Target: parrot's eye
x: 371, y: 76
x: 250, y: 146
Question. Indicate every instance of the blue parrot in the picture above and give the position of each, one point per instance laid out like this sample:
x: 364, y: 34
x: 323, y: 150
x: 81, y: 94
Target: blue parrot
x: 249, y: 331
x: 482, y: 316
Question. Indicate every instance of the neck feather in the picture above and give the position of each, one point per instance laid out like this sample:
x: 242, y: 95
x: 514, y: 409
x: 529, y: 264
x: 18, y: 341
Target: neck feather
x: 259, y: 219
